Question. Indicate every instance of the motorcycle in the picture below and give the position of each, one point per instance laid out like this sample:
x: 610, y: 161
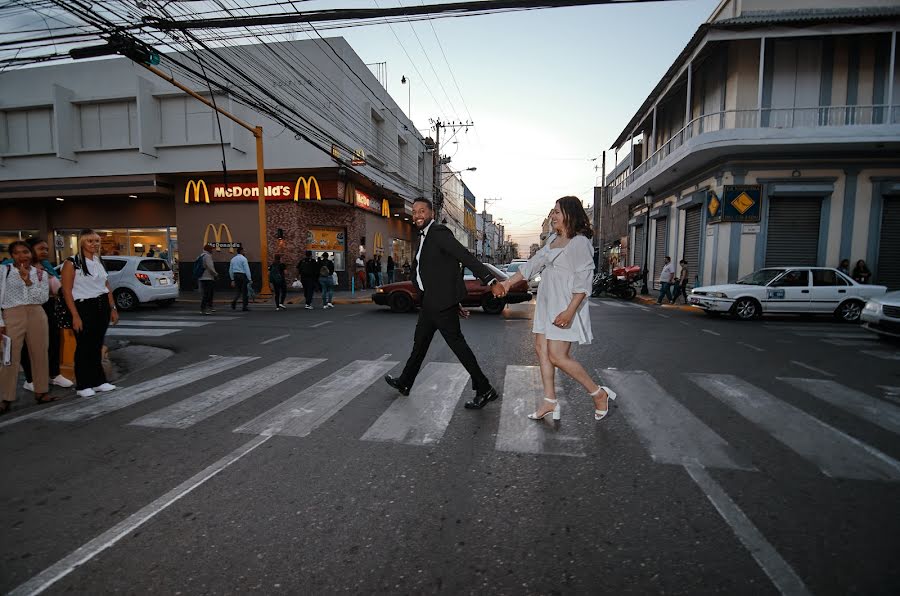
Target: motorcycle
x: 619, y: 283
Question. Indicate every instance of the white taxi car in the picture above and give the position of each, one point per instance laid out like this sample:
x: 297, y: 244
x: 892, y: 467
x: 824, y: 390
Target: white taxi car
x: 881, y: 315
x: 788, y: 290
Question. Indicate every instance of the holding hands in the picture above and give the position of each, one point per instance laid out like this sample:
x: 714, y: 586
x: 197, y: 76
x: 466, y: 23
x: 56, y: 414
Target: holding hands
x: 499, y: 289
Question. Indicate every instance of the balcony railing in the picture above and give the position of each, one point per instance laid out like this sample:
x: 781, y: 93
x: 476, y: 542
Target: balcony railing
x: 779, y: 118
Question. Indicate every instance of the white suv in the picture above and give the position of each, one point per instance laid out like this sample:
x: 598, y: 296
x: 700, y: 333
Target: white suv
x: 137, y: 280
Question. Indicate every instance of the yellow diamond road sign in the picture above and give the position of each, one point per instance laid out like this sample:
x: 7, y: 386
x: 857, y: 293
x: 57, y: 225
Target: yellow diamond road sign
x: 742, y: 203
x: 713, y: 205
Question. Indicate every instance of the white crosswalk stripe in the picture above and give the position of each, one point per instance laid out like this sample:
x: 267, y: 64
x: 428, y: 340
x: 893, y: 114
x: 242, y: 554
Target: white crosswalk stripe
x: 836, y: 454
x: 522, y: 392
x: 302, y: 413
x: 883, y: 354
x: 609, y: 303
x: 855, y: 402
x: 197, y: 408
x: 166, y: 323
x: 138, y: 332
x: 423, y: 416
x: 104, y: 403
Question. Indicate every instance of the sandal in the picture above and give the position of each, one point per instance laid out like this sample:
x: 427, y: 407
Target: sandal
x: 44, y: 398
x: 6, y: 407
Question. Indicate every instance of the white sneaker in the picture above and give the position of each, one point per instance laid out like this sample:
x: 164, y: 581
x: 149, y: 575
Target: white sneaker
x: 105, y: 387
x: 308, y: 307
x: 85, y: 392
x: 28, y: 386
x: 330, y: 305
x: 61, y: 381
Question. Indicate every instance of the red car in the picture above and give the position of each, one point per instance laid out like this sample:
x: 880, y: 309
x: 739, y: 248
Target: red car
x: 403, y: 297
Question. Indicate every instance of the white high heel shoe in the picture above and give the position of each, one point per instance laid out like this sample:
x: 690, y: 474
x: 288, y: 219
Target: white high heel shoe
x: 555, y: 411
x: 601, y: 414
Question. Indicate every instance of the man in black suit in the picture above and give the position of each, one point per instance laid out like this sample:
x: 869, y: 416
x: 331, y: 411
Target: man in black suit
x: 437, y: 275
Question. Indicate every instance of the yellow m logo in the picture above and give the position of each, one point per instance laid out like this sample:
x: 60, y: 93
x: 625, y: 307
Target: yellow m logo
x: 385, y: 208
x: 218, y: 233
x: 379, y: 242
x: 196, y: 186
x: 307, y: 185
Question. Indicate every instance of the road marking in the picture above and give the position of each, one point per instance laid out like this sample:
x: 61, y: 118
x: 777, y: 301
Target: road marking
x: 664, y: 316
x: 302, y: 413
x: 268, y: 341
x: 522, y: 392
x: 163, y: 323
x: 835, y: 453
x: 685, y: 323
x: 668, y: 430
x: 882, y: 354
x: 422, y: 418
x: 812, y: 368
x: 751, y: 346
x: 710, y: 331
x: 210, y: 318
x: 833, y: 335
x: 850, y: 400
x: 198, y: 408
x: 89, y: 408
x: 92, y: 548
x: 356, y: 314
x: 609, y: 303
x: 848, y: 343
x: 139, y: 332
x: 779, y: 571
x: 320, y: 324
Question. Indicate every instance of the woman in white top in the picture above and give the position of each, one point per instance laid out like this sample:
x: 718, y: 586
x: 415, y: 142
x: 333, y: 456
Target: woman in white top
x: 24, y: 288
x: 566, y: 267
x: 90, y: 302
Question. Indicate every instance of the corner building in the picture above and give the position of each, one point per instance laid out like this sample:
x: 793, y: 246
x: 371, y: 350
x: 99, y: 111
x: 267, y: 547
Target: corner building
x: 773, y: 139
x: 105, y: 144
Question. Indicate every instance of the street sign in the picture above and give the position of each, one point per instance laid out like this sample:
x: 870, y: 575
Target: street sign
x: 59, y: 242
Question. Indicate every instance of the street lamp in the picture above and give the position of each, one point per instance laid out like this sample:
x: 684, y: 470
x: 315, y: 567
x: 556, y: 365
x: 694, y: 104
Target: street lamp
x: 648, y: 200
x: 404, y: 81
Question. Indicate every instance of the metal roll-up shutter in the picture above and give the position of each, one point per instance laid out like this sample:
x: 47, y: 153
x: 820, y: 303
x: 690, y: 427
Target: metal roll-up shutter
x: 660, y: 250
x: 888, y: 272
x: 638, y: 250
x: 692, y: 242
x: 793, y: 236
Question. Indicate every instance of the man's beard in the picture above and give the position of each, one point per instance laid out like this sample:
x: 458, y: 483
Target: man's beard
x: 425, y: 223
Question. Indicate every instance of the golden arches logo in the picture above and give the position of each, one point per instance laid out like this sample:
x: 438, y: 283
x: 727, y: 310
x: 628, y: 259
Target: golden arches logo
x: 196, y: 186
x: 308, y: 184
x: 379, y: 242
x: 218, y: 232
x: 385, y: 208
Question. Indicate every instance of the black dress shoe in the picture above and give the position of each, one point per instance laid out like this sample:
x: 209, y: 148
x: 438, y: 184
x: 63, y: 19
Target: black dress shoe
x: 482, y: 399
x: 396, y: 384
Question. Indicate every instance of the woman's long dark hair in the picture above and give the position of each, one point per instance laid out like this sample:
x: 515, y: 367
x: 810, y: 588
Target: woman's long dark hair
x: 575, y: 219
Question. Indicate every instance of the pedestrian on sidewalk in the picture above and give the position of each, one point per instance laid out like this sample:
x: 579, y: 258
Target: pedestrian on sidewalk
x: 561, y: 318
x: 239, y: 272
x: 326, y: 270
x: 309, y: 275
x: 370, y: 272
x: 390, y: 269
x: 861, y: 272
x: 666, y: 277
x: 207, y: 280
x: 682, y: 283
x: 360, y: 272
x: 844, y: 267
x: 24, y: 288
x: 439, y: 282
x: 379, y: 271
x: 279, y: 282
x: 90, y: 302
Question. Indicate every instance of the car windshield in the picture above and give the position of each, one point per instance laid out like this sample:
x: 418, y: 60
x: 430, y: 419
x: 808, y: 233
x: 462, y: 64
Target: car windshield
x: 761, y: 277
x: 512, y: 267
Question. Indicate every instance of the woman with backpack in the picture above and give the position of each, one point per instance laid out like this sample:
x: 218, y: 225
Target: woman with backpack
x: 326, y: 269
x: 89, y: 300
x: 279, y: 282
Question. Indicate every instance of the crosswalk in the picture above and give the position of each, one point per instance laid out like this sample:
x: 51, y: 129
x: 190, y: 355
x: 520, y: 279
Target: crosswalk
x: 669, y: 430
x: 839, y: 335
x: 160, y: 325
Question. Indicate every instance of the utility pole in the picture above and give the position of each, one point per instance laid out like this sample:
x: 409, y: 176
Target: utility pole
x: 438, y: 162
x: 484, y: 225
x: 599, y: 200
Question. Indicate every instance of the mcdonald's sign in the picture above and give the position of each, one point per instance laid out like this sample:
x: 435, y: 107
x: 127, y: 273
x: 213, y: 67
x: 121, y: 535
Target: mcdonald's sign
x: 218, y: 232
x: 385, y: 208
x: 378, y: 243
x: 307, y: 183
x: 196, y: 187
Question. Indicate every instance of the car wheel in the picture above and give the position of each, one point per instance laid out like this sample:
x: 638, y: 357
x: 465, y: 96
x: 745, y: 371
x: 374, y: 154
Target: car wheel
x: 125, y: 299
x: 746, y: 309
x: 849, y: 311
x: 401, y: 302
x: 165, y: 303
x: 492, y: 305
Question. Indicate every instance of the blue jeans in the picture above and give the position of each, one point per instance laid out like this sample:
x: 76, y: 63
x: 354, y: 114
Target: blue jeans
x: 665, y: 289
x: 327, y: 289
x: 371, y: 277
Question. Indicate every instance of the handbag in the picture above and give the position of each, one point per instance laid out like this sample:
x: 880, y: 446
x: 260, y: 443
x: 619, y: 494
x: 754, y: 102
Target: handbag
x: 62, y: 314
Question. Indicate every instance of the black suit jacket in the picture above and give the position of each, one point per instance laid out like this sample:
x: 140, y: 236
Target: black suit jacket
x: 441, y: 270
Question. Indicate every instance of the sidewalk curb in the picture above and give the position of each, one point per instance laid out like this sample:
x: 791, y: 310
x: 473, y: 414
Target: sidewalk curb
x: 650, y: 301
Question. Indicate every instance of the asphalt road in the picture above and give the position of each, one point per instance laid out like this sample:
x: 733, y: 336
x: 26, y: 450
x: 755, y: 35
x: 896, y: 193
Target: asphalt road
x: 266, y: 455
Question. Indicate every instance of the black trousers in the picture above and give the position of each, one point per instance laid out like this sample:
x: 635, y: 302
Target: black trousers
x: 206, y: 293
x: 94, y: 313
x: 241, y: 293
x: 279, y: 289
x: 309, y: 288
x: 52, y: 346
x: 447, y: 322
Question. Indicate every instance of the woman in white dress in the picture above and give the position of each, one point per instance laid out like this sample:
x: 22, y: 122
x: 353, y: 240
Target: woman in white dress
x: 566, y: 267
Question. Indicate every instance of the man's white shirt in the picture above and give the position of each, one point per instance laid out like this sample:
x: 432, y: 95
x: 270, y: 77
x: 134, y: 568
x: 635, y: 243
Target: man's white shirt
x: 419, y: 255
x: 668, y: 273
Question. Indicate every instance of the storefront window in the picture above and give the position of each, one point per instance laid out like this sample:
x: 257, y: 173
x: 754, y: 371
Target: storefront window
x: 141, y: 242
x: 9, y: 236
x: 401, y: 250
x: 331, y: 240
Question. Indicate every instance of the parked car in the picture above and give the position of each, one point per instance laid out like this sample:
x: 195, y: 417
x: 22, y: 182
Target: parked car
x: 402, y: 296
x: 139, y: 280
x: 788, y: 290
x: 881, y: 315
x: 514, y: 268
